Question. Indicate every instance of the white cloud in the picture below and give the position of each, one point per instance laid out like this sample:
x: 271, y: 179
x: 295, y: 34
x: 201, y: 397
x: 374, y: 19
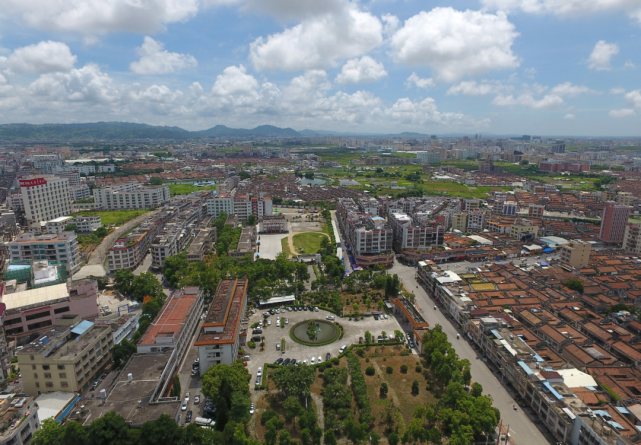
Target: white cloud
x: 95, y: 17
x: 472, y: 88
x: 570, y: 90
x: 419, y: 82
x: 155, y: 60
x: 85, y: 85
x: 361, y: 70
x: 601, y: 54
x: 234, y: 80
x: 617, y: 90
x: 624, y: 112
x: 569, y: 116
x: 629, y: 64
x: 634, y: 98
x: 42, y: 57
x: 568, y: 8
x: 293, y: 9
x: 319, y: 41
x: 527, y: 100
x: 456, y: 43
x: 391, y: 24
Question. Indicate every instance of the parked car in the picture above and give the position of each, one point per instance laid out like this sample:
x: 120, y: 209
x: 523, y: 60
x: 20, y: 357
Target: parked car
x: 289, y: 309
x: 279, y: 361
x: 184, y: 406
x: 315, y: 309
x: 269, y: 322
x: 319, y: 359
x: 385, y: 316
x: 287, y: 321
x: 327, y: 357
x: 285, y: 362
x: 330, y: 317
x: 293, y: 362
x: 342, y: 349
x: 251, y: 409
x: 197, y: 399
x: 411, y: 344
x: 188, y: 417
x: 375, y: 316
x: 259, y: 372
x: 313, y: 360
x: 187, y: 397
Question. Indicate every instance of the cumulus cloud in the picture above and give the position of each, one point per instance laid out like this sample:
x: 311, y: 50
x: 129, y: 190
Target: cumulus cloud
x: 617, y: 90
x: 94, y: 17
x: 320, y: 40
x: 623, y: 112
x: 568, y: 8
x: 42, y: 57
x: 472, y: 88
x: 634, y: 98
x: 601, y: 54
x: 156, y: 60
x: 419, y: 82
x: 456, y: 43
x: 570, y: 116
x: 361, y: 70
x: 570, y: 90
x: 527, y: 100
x: 85, y: 85
x: 234, y: 80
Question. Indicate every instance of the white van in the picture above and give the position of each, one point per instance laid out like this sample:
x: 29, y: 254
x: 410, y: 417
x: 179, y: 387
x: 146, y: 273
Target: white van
x: 203, y: 421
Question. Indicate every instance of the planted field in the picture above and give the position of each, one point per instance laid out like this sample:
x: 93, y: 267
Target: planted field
x: 117, y: 217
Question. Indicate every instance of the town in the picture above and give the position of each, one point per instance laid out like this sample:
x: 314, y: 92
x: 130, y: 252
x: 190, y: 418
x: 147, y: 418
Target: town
x: 321, y: 290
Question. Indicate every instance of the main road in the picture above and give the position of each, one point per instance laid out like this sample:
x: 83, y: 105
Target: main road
x: 522, y: 429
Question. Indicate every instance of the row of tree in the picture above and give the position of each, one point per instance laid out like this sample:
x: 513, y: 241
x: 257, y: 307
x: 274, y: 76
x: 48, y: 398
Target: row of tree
x: 138, y: 286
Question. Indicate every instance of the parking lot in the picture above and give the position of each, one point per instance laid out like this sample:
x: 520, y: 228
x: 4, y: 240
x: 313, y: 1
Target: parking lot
x: 273, y: 335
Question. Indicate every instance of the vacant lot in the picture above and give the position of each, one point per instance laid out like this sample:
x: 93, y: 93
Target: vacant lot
x: 308, y: 242
x: 185, y: 189
x: 116, y: 217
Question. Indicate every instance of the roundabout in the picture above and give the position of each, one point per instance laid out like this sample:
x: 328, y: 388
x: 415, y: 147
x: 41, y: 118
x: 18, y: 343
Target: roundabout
x: 315, y: 332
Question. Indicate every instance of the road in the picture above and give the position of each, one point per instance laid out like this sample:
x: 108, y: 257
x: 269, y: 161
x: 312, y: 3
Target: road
x: 339, y: 239
x: 522, y: 429
x: 145, y: 265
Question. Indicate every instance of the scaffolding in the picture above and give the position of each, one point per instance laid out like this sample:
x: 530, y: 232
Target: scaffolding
x: 36, y: 274
x: 19, y: 270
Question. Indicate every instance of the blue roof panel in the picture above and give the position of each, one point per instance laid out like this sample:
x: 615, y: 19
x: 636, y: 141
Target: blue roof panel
x: 82, y: 327
x: 552, y: 390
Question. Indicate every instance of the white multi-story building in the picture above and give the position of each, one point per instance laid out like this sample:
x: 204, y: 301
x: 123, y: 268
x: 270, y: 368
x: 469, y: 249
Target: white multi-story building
x: 46, y: 163
x: 88, y: 224
x: 72, y: 175
x: 109, y: 168
x: 426, y: 157
x: 241, y: 206
x: 130, y: 196
x: 61, y: 247
x: 15, y: 202
x: 56, y: 226
x: 414, y: 235
x: 79, y: 192
x: 85, y: 169
x: 171, y: 240
x: 220, y: 203
x: 45, y: 197
x: 228, y: 184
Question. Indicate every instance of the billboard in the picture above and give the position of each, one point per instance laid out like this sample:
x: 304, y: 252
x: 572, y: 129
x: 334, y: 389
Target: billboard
x: 32, y: 182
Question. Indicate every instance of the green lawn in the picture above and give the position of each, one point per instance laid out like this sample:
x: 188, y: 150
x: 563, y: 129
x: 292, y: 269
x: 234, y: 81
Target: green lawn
x: 310, y: 242
x: 185, y: 189
x: 285, y: 245
x: 117, y: 217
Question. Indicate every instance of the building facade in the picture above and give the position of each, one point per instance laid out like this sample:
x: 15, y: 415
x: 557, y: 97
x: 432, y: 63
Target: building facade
x: 61, y: 247
x: 131, y: 196
x: 45, y: 197
x: 613, y: 222
x: 632, y: 238
x: 576, y: 254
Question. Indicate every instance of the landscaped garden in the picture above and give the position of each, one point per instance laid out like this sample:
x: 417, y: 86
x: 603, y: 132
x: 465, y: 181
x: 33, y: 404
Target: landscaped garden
x: 117, y: 217
x: 308, y: 242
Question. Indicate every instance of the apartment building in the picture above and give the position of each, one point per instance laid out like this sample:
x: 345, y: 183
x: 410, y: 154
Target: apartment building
x: 228, y: 184
x: 239, y: 205
x: 247, y: 244
x: 15, y: 202
x: 128, y: 253
x: 45, y: 197
x: 459, y: 222
x: 79, y: 192
x: 625, y: 198
x: 18, y: 419
x: 524, y: 228
x: 468, y: 205
x: 175, y: 323
x: 412, y: 235
x: 223, y: 202
x: 476, y: 220
x: 632, y: 238
x: 46, y: 163
x: 222, y: 333
x: 58, y: 225
x: 88, y: 224
x: 369, y: 237
x: 613, y: 222
x: 130, y: 195
x: 73, y: 175
x: 35, y: 310
x: 65, y: 358
x: 535, y: 210
x: 576, y: 253
x: 201, y: 245
x: 170, y: 241
x: 61, y: 247
x: 426, y: 157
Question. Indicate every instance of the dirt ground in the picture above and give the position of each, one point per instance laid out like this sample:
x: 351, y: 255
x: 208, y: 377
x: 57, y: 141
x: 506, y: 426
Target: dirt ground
x: 358, y: 297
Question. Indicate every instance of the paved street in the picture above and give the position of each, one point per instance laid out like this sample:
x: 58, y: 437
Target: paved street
x: 146, y: 264
x: 522, y: 429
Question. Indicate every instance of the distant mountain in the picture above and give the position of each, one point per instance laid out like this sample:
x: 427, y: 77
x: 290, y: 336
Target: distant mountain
x: 126, y: 130
x: 315, y: 133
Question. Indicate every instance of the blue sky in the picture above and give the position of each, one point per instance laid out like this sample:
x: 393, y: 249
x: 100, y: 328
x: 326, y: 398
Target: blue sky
x: 542, y: 67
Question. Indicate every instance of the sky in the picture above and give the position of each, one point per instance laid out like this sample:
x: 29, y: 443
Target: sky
x: 538, y: 67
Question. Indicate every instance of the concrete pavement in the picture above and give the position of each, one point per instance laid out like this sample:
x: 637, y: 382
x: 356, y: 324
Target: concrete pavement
x: 522, y: 429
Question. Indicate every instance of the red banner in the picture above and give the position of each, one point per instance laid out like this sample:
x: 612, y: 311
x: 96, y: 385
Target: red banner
x: 32, y: 182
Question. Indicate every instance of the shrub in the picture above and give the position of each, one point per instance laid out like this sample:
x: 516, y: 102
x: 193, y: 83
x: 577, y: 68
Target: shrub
x: 415, y: 387
x: 419, y: 369
x: 370, y: 370
x: 360, y: 352
x: 251, y: 344
x: 328, y: 365
x: 321, y: 368
x: 268, y: 415
x: 367, y: 360
x: 336, y: 361
x: 389, y: 370
x: 404, y: 369
x: 359, y: 388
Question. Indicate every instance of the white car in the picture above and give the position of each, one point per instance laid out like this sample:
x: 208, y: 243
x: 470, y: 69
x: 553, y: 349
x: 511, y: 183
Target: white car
x: 260, y: 323
x: 251, y: 409
x: 330, y: 317
x: 187, y: 397
x: 319, y: 359
x: 269, y: 322
x: 287, y: 321
x: 342, y: 349
x: 259, y: 372
x: 278, y: 324
x: 385, y: 316
x: 277, y: 318
x: 305, y: 362
x: 184, y: 406
x: 313, y: 360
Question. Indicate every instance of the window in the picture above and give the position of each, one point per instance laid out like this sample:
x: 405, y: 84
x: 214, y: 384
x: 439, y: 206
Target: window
x: 63, y: 375
x: 37, y: 384
x: 35, y: 376
x: 47, y: 375
x: 60, y: 310
x: 64, y: 384
x: 61, y: 367
x: 45, y: 367
x: 49, y: 384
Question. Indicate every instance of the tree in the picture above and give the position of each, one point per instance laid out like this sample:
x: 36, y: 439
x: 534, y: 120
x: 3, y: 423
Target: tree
x: 293, y: 408
x: 151, y: 308
x: 384, y: 389
x: 477, y: 389
x: 71, y: 228
x: 404, y: 369
x: 305, y: 437
x: 52, y: 433
x: 393, y: 439
x: 415, y: 387
x: 101, y: 232
x: 124, y: 279
x: 121, y: 352
x: 368, y: 337
x: 524, y: 162
x: 284, y: 438
x: 176, y: 391
x: 467, y: 376
x: 294, y: 380
x: 174, y: 267
x: 146, y: 284
x: 156, y: 180
x: 330, y: 437
x: 374, y: 438
x: 110, y: 429
x: 575, y: 284
x: 251, y: 220
x: 239, y: 410
x: 163, y: 430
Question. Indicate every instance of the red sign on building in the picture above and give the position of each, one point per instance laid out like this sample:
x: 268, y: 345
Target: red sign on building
x: 32, y: 182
